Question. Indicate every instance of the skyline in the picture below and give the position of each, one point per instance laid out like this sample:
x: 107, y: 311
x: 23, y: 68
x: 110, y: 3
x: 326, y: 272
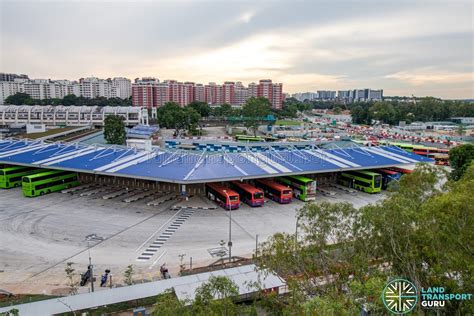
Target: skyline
x: 405, y: 48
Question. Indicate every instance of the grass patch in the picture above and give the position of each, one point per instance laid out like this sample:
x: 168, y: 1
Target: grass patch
x: 287, y: 123
x: 48, y: 132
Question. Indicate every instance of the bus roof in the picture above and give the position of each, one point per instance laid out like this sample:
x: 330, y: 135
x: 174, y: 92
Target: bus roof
x: 14, y: 168
x: 246, y: 186
x: 273, y: 184
x: 301, y: 178
x: 369, y: 173
x: 220, y: 187
x: 44, y: 173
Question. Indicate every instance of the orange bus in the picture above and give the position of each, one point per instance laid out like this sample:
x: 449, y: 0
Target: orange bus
x: 274, y: 190
x: 248, y: 193
x: 222, y: 195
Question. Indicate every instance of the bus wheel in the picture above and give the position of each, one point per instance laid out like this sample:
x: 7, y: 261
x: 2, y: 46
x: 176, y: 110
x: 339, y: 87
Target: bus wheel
x: 41, y: 193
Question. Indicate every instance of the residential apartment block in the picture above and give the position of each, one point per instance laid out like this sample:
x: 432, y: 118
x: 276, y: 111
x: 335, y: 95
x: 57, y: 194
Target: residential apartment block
x: 342, y: 96
x: 150, y: 92
x: 41, y: 89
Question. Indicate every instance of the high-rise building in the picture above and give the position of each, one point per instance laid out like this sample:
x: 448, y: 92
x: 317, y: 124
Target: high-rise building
x: 188, y: 96
x: 8, y: 88
x: 241, y: 94
x: 326, y: 95
x: 143, y: 92
x: 11, y: 77
x: 375, y: 95
x: 199, y: 93
x: 121, y: 88
x: 230, y: 92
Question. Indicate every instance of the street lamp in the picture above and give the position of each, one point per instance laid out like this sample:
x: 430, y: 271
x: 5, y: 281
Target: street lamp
x: 229, y: 244
x: 91, y: 267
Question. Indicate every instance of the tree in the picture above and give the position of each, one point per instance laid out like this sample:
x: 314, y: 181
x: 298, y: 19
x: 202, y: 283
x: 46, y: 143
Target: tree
x: 168, y: 305
x: 201, y: 107
x: 214, y: 297
x: 69, y: 99
x: 128, y: 275
x: 459, y: 158
x: 224, y: 110
x: 114, y: 130
x: 19, y: 98
x: 423, y: 231
x: 172, y: 115
x: 70, y: 275
x: 254, y: 110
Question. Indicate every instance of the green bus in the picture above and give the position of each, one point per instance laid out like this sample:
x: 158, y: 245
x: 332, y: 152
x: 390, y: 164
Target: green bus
x: 10, y: 177
x: 247, y: 138
x: 47, y: 182
x: 366, y: 181
x: 303, y: 188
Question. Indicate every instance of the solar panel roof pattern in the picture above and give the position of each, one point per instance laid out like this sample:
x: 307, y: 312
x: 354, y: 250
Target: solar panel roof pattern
x: 187, y: 167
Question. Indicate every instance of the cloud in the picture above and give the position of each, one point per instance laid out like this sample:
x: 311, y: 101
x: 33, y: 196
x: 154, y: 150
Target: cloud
x: 424, y: 77
x: 307, y: 45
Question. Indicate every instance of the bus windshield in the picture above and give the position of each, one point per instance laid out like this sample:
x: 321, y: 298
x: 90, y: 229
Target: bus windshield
x: 377, y: 181
x: 258, y: 195
x: 286, y: 192
x: 233, y: 197
x: 26, y: 179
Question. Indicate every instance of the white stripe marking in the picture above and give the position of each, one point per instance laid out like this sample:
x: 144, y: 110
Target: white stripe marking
x: 259, y: 163
x: 322, y: 156
x: 335, y: 157
x: 389, y: 155
x: 273, y: 163
x: 69, y: 153
x: 77, y: 154
x: 134, y: 162
x: 20, y: 150
x: 120, y: 161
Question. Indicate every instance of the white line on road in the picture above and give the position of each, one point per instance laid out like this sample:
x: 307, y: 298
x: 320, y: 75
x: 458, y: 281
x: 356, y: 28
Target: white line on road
x: 157, y: 231
x: 157, y: 259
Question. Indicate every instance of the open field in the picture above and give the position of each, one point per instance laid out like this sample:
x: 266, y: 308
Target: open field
x: 40, y: 235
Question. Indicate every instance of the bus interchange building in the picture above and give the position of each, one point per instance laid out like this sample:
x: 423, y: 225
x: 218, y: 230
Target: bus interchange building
x: 181, y: 168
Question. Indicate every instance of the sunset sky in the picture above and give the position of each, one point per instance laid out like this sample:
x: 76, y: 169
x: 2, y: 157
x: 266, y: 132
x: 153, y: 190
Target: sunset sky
x: 404, y: 47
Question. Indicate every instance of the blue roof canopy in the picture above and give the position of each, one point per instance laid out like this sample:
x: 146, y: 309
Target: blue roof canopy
x: 188, y: 167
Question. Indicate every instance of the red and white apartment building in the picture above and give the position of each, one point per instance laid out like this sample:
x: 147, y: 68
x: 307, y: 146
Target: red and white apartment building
x: 151, y: 93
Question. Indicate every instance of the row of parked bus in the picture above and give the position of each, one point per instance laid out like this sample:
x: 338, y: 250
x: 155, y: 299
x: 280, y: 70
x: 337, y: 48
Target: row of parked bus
x: 37, y: 181
x: 372, y: 181
x: 281, y: 190
x: 440, y: 155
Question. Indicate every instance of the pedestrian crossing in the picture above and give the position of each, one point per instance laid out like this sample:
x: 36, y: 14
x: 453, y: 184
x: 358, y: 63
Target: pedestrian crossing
x: 153, y: 248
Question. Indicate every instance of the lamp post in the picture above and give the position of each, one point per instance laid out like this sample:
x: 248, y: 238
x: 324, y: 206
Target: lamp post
x: 229, y: 244
x: 91, y: 267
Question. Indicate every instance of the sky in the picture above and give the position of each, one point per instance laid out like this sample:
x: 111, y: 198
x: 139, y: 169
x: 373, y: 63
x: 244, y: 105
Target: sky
x: 404, y: 47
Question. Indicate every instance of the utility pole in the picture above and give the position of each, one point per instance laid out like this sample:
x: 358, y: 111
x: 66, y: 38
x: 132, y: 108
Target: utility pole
x: 256, y: 246
x: 229, y: 244
x: 91, y: 267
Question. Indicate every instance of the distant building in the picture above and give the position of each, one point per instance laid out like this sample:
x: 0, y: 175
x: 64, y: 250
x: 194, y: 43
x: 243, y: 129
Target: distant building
x: 149, y: 92
x: 11, y: 77
x: 463, y: 120
x: 8, y: 88
x: 326, y: 95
